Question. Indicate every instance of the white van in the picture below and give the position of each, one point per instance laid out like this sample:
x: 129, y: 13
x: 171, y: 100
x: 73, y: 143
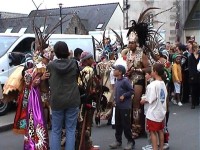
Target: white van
x: 15, y: 42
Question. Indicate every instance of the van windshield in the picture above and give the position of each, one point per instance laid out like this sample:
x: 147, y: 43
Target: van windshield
x: 5, y: 43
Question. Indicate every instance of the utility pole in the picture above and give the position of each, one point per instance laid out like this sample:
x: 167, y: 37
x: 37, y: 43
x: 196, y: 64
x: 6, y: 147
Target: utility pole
x: 60, y: 6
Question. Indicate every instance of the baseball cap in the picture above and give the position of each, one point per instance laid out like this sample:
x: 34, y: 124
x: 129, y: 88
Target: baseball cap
x: 120, y: 68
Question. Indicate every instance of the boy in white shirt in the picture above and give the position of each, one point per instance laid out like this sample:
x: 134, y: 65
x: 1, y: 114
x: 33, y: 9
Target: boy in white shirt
x: 156, y: 97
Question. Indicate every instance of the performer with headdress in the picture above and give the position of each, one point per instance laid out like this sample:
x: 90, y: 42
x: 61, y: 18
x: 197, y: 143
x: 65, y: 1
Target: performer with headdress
x: 36, y: 135
x: 20, y: 122
x: 138, y: 63
x: 90, y: 90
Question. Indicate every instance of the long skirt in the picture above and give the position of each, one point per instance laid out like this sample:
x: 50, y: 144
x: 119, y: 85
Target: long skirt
x: 20, y: 121
x: 36, y: 137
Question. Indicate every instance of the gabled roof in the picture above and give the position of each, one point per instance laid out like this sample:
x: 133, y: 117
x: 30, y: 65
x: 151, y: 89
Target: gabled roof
x: 94, y: 14
x: 91, y: 16
x: 193, y: 20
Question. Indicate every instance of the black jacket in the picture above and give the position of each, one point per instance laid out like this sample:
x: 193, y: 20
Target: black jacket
x: 194, y: 75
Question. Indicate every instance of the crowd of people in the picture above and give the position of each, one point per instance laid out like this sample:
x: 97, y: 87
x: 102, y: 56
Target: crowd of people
x: 65, y: 92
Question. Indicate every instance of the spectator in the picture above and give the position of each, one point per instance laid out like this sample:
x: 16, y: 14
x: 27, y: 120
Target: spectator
x: 194, y: 75
x: 65, y: 97
x: 177, y: 79
x: 185, y: 74
x: 77, y: 54
x: 157, y: 106
x: 123, y: 92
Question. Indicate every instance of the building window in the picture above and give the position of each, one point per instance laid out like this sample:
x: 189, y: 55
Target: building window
x: 22, y: 30
x: 76, y: 30
x: 100, y: 25
x: 8, y: 30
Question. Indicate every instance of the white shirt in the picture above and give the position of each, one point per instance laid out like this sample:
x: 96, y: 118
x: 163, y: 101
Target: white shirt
x: 156, y: 97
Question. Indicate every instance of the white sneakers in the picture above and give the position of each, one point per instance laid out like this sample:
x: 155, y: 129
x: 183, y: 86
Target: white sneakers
x: 180, y: 104
x: 174, y: 101
x: 149, y: 147
x: 166, y: 146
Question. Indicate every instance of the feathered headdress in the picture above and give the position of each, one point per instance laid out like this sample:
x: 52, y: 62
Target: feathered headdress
x: 141, y: 29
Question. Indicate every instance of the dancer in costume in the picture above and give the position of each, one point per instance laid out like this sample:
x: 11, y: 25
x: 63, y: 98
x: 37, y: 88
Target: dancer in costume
x: 141, y: 38
x: 36, y: 136
x: 90, y: 82
x: 20, y: 121
x: 137, y: 62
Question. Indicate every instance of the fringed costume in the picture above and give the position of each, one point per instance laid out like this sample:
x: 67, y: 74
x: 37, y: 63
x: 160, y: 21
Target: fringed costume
x: 142, y: 38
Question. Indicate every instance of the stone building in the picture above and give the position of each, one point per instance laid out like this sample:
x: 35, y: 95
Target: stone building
x: 174, y: 20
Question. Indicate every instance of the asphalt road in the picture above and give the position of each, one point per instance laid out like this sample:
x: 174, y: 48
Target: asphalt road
x: 184, y: 128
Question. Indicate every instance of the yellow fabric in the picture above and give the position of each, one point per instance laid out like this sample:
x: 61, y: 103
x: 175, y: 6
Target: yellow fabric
x: 176, y: 73
x: 14, y: 82
x: 86, y: 73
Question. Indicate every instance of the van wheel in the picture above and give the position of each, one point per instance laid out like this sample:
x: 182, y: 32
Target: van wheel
x: 4, y: 107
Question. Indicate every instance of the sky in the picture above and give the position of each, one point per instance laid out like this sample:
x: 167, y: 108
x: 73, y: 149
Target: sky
x: 26, y: 6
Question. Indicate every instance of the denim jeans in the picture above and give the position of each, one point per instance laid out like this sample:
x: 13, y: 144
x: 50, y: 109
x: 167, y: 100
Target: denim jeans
x: 70, y: 116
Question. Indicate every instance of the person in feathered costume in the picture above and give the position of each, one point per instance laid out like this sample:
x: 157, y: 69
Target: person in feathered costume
x: 139, y: 34
x: 91, y: 92
x: 36, y: 134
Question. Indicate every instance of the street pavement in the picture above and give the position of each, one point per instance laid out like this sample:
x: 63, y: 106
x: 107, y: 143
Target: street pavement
x: 184, y: 128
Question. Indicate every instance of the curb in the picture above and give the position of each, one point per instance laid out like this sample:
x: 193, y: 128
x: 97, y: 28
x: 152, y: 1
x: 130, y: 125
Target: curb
x: 6, y: 127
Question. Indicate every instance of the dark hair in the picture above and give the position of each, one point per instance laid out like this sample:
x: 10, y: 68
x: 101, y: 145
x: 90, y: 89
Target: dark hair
x: 77, y: 52
x: 182, y: 47
x: 61, y: 50
x: 159, y: 68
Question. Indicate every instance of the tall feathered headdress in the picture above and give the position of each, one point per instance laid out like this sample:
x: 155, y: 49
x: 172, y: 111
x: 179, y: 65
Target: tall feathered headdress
x: 141, y: 29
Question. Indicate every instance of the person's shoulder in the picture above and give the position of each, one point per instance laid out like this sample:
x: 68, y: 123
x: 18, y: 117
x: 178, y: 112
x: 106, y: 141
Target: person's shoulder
x: 126, y: 79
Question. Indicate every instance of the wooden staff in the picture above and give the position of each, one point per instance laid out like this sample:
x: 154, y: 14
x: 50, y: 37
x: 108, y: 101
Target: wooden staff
x: 82, y: 139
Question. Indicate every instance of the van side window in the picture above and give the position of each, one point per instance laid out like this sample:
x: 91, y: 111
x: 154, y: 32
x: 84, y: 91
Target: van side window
x: 17, y: 56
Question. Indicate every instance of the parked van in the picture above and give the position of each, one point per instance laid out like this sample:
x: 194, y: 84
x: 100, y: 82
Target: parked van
x: 21, y: 43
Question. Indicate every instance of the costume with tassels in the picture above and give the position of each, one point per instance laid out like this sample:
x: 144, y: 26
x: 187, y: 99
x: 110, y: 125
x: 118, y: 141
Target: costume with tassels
x: 140, y: 36
x: 36, y: 136
x: 91, y: 91
x: 20, y: 121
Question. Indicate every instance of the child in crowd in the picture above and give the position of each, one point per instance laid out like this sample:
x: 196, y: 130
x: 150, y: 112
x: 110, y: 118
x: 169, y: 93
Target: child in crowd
x: 156, y: 97
x: 149, y: 79
x: 122, y: 97
x: 177, y: 79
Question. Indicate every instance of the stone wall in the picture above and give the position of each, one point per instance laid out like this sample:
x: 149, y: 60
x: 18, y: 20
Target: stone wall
x: 76, y: 27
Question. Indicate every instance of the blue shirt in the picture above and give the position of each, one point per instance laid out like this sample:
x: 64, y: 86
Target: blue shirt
x: 123, y: 87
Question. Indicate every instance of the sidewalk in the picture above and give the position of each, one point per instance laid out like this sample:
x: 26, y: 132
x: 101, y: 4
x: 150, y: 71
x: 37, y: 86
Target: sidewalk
x: 6, y: 121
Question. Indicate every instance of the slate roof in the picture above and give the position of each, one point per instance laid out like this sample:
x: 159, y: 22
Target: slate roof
x: 91, y: 16
x: 94, y: 14
x: 193, y: 20
x: 24, y: 22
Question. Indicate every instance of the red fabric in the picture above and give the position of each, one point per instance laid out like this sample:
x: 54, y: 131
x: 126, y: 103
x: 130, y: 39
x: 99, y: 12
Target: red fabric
x: 154, y: 126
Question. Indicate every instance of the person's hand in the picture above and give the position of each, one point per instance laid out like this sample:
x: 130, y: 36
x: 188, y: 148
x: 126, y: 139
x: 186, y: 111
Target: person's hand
x: 142, y: 101
x: 121, y: 98
x: 45, y: 75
